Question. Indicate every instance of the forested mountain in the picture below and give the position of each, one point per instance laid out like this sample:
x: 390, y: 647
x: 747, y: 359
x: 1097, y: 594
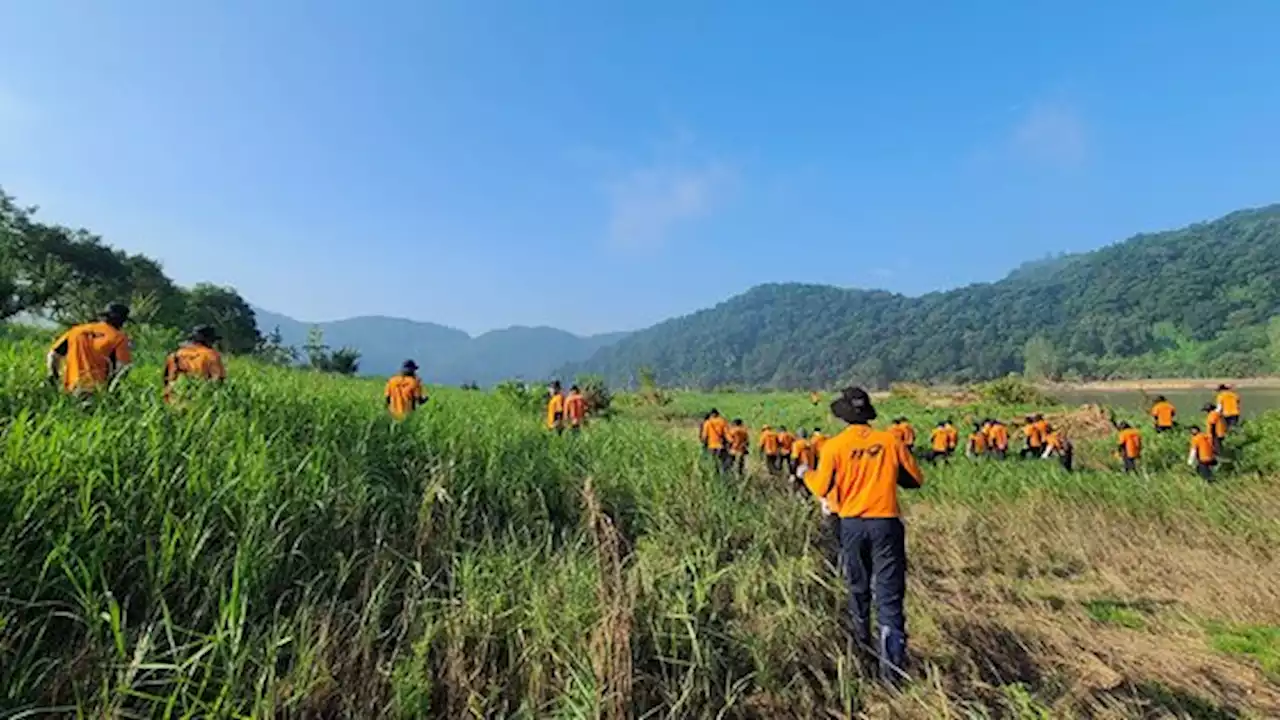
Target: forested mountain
x: 447, y: 355
x: 1192, y: 301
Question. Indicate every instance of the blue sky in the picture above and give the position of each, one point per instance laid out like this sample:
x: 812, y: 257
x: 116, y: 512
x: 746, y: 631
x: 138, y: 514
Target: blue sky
x: 599, y: 166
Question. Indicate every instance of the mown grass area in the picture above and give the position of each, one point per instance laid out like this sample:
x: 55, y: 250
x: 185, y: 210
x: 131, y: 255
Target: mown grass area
x: 282, y: 549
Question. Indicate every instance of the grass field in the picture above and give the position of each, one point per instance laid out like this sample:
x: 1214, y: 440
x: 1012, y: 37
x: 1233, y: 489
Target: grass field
x: 281, y: 549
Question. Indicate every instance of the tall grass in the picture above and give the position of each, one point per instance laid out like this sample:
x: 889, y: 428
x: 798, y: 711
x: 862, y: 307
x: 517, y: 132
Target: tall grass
x: 281, y: 548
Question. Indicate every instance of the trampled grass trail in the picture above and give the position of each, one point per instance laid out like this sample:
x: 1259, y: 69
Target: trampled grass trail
x: 282, y: 549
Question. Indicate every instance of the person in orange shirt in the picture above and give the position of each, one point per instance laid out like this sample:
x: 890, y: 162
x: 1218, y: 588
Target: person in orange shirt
x: 196, y: 359
x: 715, y: 433
x: 785, y: 441
x: 857, y: 480
x: 739, y: 446
x: 1164, y: 414
x: 953, y: 437
x: 575, y: 409
x: 939, y: 441
x: 1129, y: 441
x: 1229, y: 405
x: 1034, y: 438
x: 555, y: 408
x: 908, y: 433
x: 769, y: 448
x: 404, y: 392
x: 801, y: 454
x: 998, y: 436
x: 816, y: 441
x: 91, y: 355
x: 1203, y: 457
x: 1057, y: 444
x: 977, y: 445
x: 1216, y: 426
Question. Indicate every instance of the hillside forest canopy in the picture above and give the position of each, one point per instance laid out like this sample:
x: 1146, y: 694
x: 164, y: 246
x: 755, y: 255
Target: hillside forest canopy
x: 1201, y: 301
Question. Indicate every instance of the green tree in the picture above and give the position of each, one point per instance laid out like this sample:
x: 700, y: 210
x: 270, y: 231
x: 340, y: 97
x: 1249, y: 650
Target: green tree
x: 1273, y: 344
x: 273, y: 350
x: 1041, y: 360
x: 343, y: 361
x: 224, y: 309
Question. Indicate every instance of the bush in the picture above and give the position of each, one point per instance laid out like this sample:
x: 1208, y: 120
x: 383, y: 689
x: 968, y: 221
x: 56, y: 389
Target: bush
x: 520, y: 395
x: 1013, y: 390
x: 596, y: 392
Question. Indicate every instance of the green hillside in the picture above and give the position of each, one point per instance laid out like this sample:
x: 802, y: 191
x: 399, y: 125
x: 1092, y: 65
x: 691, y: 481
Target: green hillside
x: 447, y: 355
x: 1195, y: 301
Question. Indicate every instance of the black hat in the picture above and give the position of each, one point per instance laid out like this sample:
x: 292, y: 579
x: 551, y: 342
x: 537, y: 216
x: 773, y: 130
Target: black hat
x: 409, y: 365
x: 854, y: 406
x: 205, y: 334
x: 115, y: 311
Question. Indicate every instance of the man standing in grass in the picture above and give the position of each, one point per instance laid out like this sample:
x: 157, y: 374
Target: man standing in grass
x: 1129, y: 441
x: 715, y: 436
x: 89, y: 356
x: 739, y: 444
x: 1034, y: 438
x: 404, y: 392
x: 1164, y: 414
x: 953, y: 437
x: 555, y: 408
x: 801, y: 452
x: 858, y: 479
x: 977, y: 445
x: 1203, y: 456
x: 1229, y: 405
x: 938, y: 441
x: 998, y: 439
x: 785, y: 441
x: 769, y: 448
x: 1215, y: 426
x: 196, y: 359
x: 575, y: 409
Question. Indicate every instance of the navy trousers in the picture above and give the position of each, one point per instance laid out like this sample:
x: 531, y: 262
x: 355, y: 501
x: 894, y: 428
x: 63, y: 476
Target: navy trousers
x: 874, y: 551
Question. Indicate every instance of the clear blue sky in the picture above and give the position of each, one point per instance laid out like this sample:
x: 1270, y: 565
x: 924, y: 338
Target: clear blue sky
x: 598, y: 165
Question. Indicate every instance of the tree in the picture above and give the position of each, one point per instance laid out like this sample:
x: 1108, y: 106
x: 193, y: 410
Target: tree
x: 224, y: 309
x: 343, y: 361
x: 273, y: 351
x: 1273, y: 345
x: 1041, y: 360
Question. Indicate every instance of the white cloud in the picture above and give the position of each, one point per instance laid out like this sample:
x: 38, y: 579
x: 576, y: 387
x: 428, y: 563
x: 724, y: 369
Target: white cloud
x: 1052, y: 134
x: 646, y: 204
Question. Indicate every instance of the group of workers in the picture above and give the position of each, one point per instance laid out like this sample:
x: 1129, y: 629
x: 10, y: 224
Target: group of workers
x: 96, y: 355
x: 783, y: 451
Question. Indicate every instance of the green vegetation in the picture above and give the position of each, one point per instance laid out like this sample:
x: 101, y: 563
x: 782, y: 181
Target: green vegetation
x: 280, y: 548
x: 1195, y: 302
x: 67, y: 276
x: 1261, y: 643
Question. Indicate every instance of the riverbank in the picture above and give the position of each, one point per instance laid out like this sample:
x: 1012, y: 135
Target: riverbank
x: 1264, y: 383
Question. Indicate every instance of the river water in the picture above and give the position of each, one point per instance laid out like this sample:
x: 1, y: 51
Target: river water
x: 1188, y: 402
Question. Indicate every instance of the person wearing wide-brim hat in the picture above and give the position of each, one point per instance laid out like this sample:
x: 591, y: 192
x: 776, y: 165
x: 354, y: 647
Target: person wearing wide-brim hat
x: 404, y: 392
x: 857, y: 479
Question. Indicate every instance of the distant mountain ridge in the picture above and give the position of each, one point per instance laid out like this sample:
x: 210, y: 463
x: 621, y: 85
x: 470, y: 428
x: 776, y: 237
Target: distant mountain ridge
x: 446, y: 355
x: 1191, y: 301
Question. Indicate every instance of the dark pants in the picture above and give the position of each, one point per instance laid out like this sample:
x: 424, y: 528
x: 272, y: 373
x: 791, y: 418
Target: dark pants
x: 1163, y: 428
x: 1232, y: 420
x: 740, y: 463
x: 1217, y: 445
x: 997, y: 453
x: 723, y: 460
x: 1031, y: 452
x: 1205, y: 470
x: 935, y: 455
x: 1130, y: 464
x: 874, y: 554
x: 774, y: 463
x: 1066, y: 459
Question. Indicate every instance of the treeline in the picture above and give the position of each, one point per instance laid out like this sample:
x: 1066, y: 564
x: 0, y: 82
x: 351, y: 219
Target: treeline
x: 1195, y: 301
x: 67, y: 275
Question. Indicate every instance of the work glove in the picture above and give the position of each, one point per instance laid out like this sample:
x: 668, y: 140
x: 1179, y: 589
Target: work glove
x: 826, y: 507
x: 801, y: 470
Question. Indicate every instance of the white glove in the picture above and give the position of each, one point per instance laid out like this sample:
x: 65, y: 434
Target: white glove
x: 826, y: 508
x: 801, y: 471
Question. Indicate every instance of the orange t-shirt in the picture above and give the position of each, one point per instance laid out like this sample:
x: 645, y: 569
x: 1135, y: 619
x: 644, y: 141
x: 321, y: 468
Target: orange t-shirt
x: 1164, y: 413
x: 860, y: 471
x: 715, y: 433
x: 1202, y: 446
x: 939, y: 439
x: 785, y: 440
x: 1229, y: 401
x: 978, y: 443
x: 404, y: 393
x: 1216, y: 424
x: 91, y: 351
x: 769, y: 442
x: 575, y: 408
x: 816, y: 442
x: 953, y: 437
x: 999, y: 436
x: 197, y: 361
x: 555, y: 411
x: 802, y: 452
x: 1035, y: 435
x: 1130, y: 442
x: 738, y: 440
